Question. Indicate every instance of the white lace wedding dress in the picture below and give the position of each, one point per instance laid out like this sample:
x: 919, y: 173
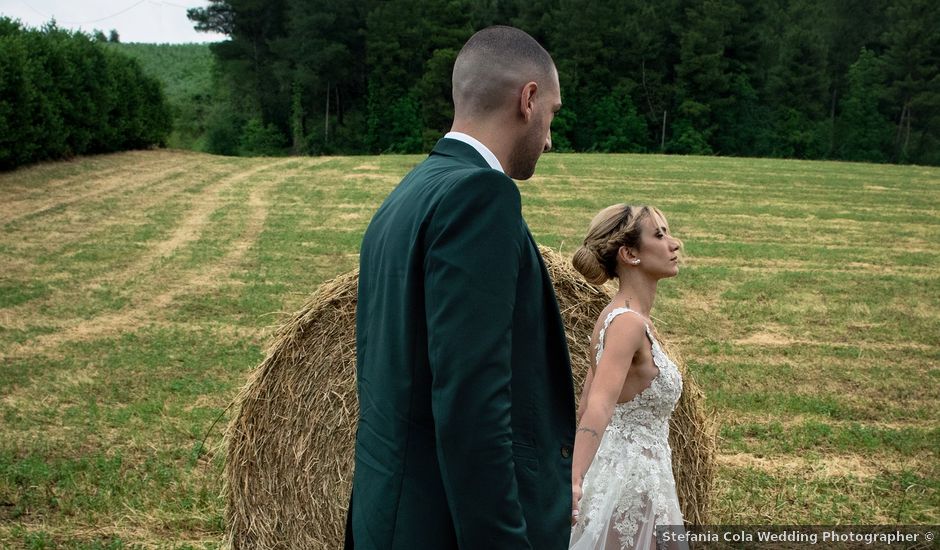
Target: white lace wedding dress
x: 629, y: 488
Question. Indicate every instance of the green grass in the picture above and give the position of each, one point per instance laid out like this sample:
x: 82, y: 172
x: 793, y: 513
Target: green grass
x: 824, y: 436
x: 905, y: 497
x: 140, y: 289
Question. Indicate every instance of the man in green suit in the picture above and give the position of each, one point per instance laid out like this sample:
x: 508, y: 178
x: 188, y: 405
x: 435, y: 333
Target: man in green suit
x: 465, y: 393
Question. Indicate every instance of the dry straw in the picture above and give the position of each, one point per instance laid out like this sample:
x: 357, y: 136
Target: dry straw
x: 290, y: 445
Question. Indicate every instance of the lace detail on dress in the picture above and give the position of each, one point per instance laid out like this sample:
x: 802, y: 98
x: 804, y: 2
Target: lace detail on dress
x: 630, y: 486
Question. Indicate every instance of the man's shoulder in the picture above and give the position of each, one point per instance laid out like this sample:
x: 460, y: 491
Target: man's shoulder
x: 448, y: 174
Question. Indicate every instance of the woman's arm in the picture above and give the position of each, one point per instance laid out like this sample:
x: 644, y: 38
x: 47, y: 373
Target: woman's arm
x: 623, y: 339
x: 585, y: 390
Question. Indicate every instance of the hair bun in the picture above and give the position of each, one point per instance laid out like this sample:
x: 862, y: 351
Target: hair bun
x: 589, y: 266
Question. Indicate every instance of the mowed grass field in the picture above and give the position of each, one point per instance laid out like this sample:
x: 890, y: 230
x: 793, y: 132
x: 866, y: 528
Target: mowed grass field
x: 137, y: 291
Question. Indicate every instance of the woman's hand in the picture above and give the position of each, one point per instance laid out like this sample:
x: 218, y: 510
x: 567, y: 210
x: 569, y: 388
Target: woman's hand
x: 575, y: 502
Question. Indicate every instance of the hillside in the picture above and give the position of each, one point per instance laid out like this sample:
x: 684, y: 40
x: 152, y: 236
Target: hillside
x: 185, y: 70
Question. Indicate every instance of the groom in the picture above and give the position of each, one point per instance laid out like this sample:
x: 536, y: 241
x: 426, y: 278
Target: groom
x: 467, y: 411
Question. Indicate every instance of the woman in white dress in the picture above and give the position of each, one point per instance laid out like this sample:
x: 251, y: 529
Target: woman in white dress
x: 622, y: 481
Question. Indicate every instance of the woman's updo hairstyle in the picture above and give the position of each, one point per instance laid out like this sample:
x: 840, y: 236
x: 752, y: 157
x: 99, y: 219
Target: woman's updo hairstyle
x: 615, y: 226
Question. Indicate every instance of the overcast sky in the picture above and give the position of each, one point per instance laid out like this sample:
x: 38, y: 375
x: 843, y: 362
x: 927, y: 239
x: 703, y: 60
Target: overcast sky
x: 151, y: 21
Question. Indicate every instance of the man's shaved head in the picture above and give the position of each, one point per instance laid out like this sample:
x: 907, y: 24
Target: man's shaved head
x: 494, y: 65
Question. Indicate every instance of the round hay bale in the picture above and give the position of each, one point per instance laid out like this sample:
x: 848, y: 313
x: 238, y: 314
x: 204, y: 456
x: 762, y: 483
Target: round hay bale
x: 290, y: 443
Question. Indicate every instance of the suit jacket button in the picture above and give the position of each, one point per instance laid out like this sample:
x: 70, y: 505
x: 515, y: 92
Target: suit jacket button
x: 565, y: 451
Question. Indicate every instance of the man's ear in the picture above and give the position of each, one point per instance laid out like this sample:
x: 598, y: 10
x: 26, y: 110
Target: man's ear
x: 527, y: 100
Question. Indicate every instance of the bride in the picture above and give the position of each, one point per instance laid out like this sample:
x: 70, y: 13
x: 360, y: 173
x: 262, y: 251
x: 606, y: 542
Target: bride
x: 622, y: 481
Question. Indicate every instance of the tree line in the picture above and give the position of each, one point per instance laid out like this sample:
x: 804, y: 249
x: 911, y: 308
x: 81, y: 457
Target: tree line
x: 63, y: 94
x: 836, y: 79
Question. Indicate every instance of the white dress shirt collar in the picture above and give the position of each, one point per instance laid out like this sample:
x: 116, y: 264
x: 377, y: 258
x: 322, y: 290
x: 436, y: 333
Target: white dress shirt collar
x: 487, y: 155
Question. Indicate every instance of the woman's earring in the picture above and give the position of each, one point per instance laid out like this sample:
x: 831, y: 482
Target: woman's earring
x: 636, y: 261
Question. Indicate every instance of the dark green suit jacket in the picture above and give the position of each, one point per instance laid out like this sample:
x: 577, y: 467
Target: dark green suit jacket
x: 467, y: 408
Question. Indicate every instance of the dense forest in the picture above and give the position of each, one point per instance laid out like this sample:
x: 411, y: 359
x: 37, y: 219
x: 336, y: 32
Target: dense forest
x: 62, y: 94
x: 836, y: 79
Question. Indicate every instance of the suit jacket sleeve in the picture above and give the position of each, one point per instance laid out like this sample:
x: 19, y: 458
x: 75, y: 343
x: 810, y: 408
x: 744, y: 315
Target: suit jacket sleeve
x: 473, y: 252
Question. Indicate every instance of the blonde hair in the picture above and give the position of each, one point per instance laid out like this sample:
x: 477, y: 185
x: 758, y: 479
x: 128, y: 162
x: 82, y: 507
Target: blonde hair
x: 615, y: 226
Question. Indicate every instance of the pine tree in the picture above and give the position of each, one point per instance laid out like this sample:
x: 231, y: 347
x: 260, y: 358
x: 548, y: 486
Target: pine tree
x: 912, y: 59
x: 321, y: 58
x: 864, y: 133
x: 705, y: 74
x: 798, y: 85
x: 402, y: 36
